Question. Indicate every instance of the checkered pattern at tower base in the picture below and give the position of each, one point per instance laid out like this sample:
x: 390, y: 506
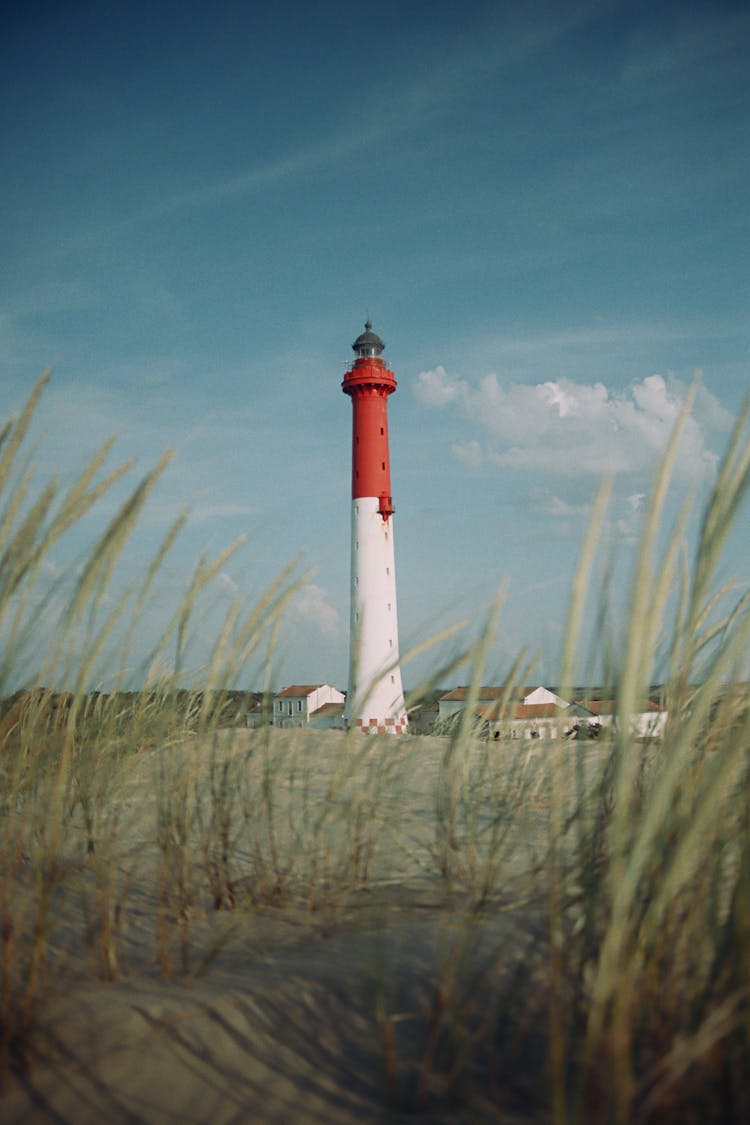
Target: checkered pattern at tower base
x: 391, y: 725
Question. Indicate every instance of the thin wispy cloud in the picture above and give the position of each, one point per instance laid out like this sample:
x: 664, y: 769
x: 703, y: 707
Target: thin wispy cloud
x: 536, y: 587
x: 547, y: 504
x: 395, y: 101
x: 668, y: 62
x: 220, y: 509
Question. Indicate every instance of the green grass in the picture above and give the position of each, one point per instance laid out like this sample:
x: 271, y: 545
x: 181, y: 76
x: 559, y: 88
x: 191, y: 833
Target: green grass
x: 590, y: 903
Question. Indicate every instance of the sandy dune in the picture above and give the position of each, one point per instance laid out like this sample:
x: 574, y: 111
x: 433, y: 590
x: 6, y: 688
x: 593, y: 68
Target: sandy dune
x: 281, y: 1015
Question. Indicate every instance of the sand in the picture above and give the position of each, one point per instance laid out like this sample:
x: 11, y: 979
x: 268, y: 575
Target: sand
x: 309, y: 1003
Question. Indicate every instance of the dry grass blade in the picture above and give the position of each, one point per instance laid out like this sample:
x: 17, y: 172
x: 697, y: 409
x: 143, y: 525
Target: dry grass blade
x: 550, y: 930
x: 14, y: 433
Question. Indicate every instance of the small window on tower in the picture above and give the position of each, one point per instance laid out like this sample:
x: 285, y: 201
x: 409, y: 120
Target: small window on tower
x: 382, y: 465
x: 382, y: 431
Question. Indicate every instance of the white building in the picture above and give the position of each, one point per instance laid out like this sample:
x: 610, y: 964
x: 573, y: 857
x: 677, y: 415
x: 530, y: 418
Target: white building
x: 298, y: 705
x: 649, y: 722
x: 488, y: 697
x: 539, y: 712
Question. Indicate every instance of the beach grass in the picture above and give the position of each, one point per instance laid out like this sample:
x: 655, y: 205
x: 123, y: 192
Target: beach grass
x: 431, y: 925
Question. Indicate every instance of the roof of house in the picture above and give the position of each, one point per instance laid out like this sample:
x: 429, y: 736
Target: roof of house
x: 600, y: 706
x: 302, y: 690
x: 594, y: 699
x: 517, y: 692
x: 461, y: 693
x: 609, y: 706
x: 525, y: 711
x: 328, y: 709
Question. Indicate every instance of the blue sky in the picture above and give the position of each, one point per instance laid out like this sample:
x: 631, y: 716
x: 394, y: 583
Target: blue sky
x: 543, y: 208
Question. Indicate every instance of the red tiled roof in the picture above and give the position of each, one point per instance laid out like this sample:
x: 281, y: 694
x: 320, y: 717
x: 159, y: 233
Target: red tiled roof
x: 460, y: 693
x: 599, y: 706
x: 522, y: 711
x: 609, y: 706
x: 295, y: 690
x: 535, y: 710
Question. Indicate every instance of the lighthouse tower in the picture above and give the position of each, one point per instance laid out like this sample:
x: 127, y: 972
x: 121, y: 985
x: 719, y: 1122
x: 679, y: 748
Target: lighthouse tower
x: 375, y: 700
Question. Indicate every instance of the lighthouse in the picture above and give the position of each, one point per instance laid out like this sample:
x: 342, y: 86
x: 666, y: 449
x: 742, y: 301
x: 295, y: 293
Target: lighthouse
x: 375, y: 700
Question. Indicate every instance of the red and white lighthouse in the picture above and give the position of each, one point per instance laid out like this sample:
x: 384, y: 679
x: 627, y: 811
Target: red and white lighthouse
x: 375, y: 700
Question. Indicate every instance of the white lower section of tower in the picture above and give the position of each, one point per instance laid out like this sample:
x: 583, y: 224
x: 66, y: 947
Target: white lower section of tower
x: 375, y: 700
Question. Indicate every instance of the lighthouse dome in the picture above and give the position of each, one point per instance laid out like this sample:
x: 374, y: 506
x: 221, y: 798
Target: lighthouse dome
x: 368, y: 343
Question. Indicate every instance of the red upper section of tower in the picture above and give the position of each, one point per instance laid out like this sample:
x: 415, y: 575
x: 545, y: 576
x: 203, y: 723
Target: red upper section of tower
x: 368, y: 383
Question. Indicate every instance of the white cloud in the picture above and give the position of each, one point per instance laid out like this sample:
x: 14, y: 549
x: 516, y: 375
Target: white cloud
x: 311, y: 607
x: 574, y: 429
x: 628, y: 526
x: 437, y: 387
x: 468, y: 451
x: 707, y: 409
x: 558, y: 508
